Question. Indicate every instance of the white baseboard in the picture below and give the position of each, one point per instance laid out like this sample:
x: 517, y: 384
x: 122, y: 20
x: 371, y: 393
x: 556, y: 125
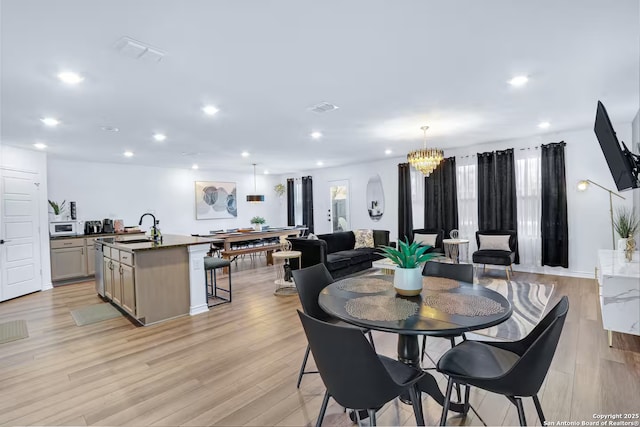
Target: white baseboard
x: 47, y: 286
x: 198, y: 309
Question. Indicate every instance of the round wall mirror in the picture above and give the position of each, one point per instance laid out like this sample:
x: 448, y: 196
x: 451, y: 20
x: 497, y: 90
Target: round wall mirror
x: 375, y: 198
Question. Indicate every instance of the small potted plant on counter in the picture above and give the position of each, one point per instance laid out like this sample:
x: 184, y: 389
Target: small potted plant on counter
x: 57, y: 209
x: 626, y: 224
x: 257, y: 222
x: 409, y: 257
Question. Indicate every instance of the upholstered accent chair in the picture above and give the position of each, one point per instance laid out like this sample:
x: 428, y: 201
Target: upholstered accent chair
x: 496, y: 247
x: 431, y: 236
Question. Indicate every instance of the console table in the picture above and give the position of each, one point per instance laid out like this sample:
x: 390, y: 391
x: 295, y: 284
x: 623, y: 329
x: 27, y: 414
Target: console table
x: 619, y: 291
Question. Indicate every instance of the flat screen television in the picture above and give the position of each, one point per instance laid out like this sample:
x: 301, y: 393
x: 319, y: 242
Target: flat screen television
x: 623, y: 164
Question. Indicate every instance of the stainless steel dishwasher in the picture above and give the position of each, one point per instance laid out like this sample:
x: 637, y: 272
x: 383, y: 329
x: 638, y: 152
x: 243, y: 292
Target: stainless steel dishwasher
x: 99, y: 267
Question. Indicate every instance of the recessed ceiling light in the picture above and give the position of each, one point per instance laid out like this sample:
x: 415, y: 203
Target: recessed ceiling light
x: 316, y: 135
x: 70, y: 77
x: 40, y: 145
x: 544, y: 125
x: 159, y: 137
x: 50, y: 121
x: 266, y: 172
x: 387, y: 151
x: 319, y: 163
x: 194, y: 167
x: 128, y: 153
x: 245, y: 154
x: 519, y: 81
x: 110, y: 129
x: 210, y: 110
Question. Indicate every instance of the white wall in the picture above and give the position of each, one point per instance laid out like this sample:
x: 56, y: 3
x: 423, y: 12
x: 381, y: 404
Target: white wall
x: 108, y: 190
x: 36, y: 162
x: 588, y: 212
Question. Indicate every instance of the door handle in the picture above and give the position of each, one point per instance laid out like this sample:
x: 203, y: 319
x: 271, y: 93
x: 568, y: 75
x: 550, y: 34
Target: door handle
x: 2, y: 241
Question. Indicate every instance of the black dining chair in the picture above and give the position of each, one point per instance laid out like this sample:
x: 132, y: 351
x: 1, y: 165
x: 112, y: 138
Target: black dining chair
x: 354, y: 374
x: 513, y: 369
x: 310, y: 282
x: 460, y: 272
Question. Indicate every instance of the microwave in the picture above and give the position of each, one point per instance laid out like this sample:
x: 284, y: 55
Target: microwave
x: 63, y: 228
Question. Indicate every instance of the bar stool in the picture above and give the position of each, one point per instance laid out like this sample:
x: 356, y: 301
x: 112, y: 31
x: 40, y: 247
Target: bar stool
x: 211, y: 264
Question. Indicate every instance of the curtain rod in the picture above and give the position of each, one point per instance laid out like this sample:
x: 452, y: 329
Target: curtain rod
x: 535, y: 147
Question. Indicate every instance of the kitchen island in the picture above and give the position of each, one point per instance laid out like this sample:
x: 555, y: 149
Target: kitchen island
x: 155, y: 281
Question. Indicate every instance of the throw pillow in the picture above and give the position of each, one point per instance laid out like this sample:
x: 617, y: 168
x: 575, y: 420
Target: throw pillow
x: 494, y: 243
x: 312, y: 236
x: 364, y: 239
x: 425, y: 239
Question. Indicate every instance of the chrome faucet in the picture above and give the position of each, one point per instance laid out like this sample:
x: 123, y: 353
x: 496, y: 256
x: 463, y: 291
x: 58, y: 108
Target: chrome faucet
x: 154, y: 232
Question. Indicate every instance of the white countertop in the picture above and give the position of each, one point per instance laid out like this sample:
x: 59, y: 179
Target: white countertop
x: 613, y: 263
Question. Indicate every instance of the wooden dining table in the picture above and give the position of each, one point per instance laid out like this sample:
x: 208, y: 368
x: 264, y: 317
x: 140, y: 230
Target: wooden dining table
x: 445, y: 307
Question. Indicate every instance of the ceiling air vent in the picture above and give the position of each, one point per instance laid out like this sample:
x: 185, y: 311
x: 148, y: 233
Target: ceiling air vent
x: 139, y: 50
x: 323, y: 107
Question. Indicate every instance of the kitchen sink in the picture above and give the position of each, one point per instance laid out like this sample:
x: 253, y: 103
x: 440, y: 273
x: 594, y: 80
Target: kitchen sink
x: 129, y: 242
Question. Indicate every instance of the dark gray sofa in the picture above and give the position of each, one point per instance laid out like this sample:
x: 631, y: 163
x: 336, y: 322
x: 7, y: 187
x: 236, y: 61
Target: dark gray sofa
x: 336, y: 251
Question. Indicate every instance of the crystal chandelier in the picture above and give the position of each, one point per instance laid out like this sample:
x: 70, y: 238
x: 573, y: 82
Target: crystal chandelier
x: 425, y: 160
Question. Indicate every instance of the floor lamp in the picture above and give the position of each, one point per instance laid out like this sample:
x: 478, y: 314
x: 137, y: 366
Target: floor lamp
x: 584, y: 184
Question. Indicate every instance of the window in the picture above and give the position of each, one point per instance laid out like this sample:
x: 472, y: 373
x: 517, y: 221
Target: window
x: 528, y: 190
x: 467, y: 187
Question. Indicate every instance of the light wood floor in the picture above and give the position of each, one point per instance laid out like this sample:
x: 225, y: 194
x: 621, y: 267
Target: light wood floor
x: 237, y: 365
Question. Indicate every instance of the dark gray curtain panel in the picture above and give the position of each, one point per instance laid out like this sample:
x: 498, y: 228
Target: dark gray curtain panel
x: 291, y: 201
x: 497, y: 203
x: 554, y: 224
x: 307, y: 202
x: 441, y: 198
x: 405, y: 209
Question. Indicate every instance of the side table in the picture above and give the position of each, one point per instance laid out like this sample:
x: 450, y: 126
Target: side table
x: 284, y: 281
x: 456, y: 249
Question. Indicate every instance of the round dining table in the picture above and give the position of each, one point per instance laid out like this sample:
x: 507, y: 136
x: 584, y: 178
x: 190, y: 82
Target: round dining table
x: 445, y: 307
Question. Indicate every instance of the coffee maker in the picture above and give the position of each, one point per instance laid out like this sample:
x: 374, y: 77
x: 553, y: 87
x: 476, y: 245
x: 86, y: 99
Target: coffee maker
x: 107, y: 226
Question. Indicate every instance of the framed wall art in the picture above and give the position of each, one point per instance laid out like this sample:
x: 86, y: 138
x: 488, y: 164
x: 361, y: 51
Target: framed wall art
x: 216, y: 200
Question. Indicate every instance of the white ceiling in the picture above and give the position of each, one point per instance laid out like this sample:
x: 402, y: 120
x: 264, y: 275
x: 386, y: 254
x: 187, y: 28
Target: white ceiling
x: 391, y: 67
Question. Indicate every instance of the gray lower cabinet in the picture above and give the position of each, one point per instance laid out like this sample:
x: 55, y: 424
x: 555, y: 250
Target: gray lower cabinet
x: 128, y: 289
x: 68, y: 263
x: 119, y: 279
x: 73, y: 258
x: 91, y: 259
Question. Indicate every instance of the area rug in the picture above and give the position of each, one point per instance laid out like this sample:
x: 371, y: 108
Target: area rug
x: 528, y: 300
x: 13, y: 331
x: 94, y: 313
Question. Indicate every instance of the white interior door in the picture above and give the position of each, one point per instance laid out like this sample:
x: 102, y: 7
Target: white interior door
x: 20, y: 264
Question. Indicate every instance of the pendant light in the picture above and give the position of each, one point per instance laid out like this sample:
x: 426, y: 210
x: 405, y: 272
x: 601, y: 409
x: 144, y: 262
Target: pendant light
x: 425, y: 160
x: 255, y: 198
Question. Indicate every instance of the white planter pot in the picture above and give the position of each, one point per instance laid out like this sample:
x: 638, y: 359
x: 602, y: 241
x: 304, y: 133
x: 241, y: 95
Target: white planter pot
x: 257, y: 227
x: 408, y: 281
x: 622, y: 244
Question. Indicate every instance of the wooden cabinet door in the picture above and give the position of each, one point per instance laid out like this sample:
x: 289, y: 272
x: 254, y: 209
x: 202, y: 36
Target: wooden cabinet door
x: 68, y: 263
x: 128, y: 289
x: 117, y: 282
x: 108, y: 277
x: 91, y: 260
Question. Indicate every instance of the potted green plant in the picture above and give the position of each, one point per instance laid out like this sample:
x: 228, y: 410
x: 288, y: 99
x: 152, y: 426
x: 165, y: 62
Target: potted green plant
x: 257, y: 222
x: 57, y: 209
x: 408, y: 257
x: 626, y: 224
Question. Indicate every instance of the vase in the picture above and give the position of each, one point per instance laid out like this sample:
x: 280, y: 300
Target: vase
x: 57, y: 218
x: 622, y: 244
x: 257, y: 227
x: 408, y: 281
